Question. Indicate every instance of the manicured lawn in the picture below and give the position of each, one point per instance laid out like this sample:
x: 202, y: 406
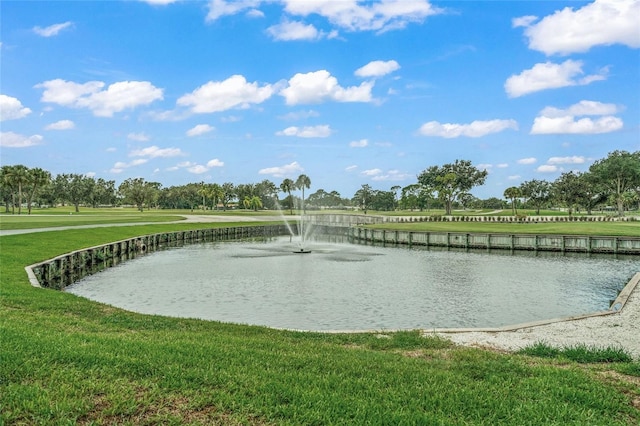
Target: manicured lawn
x: 67, y: 360
x: 631, y: 229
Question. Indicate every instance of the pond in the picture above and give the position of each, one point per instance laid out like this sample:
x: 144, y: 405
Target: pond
x: 342, y: 286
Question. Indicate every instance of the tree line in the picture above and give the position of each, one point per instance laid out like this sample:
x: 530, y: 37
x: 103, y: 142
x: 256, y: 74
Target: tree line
x: 614, y: 180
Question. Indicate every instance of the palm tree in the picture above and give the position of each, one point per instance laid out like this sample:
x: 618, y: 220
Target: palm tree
x: 287, y: 186
x: 254, y: 203
x: 39, y: 178
x: 8, y: 191
x: 18, y: 176
x: 513, y: 193
x: 303, y: 182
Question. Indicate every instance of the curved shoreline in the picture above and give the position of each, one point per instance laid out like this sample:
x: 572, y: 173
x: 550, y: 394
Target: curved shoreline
x: 616, y: 328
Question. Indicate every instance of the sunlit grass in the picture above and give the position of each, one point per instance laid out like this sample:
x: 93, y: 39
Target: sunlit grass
x: 68, y: 360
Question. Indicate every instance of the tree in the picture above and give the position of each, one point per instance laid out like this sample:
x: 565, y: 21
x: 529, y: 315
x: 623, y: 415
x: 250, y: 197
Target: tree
x: 38, y: 179
x: 618, y: 173
x: 228, y: 194
x: 363, y: 197
x: 396, y: 199
x: 287, y: 186
x: 536, y: 192
x: 567, y: 189
x: 7, y: 188
x: 513, y: 193
x: 303, y: 182
x: 140, y: 192
x: 17, y: 177
x: 254, y: 203
x: 452, y: 180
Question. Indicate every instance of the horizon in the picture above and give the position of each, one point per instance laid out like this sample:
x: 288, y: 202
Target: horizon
x: 348, y: 93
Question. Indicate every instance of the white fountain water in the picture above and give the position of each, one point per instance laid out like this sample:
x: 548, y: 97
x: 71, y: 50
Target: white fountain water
x: 302, y: 231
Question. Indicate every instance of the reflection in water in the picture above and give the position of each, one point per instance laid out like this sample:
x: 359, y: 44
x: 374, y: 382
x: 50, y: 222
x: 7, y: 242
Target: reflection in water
x: 340, y: 286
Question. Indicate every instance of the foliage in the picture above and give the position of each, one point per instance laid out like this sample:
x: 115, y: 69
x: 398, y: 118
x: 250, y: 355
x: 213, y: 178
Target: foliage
x: 451, y: 180
x: 618, y: 173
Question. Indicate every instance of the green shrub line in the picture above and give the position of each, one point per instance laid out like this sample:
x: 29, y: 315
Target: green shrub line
x: 579, y: 353
x: 68, y: 360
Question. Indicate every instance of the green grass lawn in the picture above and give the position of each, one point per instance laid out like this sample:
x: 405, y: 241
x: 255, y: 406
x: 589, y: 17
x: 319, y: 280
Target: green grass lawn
x: 67, y: 360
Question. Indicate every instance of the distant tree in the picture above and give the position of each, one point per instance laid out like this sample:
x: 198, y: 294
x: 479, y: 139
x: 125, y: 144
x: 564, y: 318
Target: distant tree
x: 287, y: 186
x: 513, y: 193
x: 396, y: 198
x: 451, y: 180
x: 142, y: 193
x: 536, y: 192
x: 363, y: 197
x: 267, y: 191
x: 77, y: 189
x: 254, y: 203
x: 382, y: 200
x: 303, y: 182
x: 618, y: 173
x: 228, y: 194
x: 18, y: 178
x: 568, y: 190
x: 38, y: 178
x: 7, y: 188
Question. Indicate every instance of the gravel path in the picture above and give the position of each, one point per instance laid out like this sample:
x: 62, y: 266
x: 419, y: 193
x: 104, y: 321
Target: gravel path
x: 619, y: 329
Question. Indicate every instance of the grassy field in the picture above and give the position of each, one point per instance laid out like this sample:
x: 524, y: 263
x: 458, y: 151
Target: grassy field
x: 67, y: 360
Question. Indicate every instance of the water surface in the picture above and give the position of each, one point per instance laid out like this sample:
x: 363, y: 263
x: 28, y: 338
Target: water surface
x: 357, y: 287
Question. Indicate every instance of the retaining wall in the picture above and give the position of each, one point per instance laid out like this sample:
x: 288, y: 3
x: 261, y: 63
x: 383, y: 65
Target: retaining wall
x: 562, y: 243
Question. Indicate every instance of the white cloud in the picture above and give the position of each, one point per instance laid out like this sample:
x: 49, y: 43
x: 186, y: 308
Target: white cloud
x: 299, y: 115
x: 294, y: 30
x: 220, y: 8
x: 200, y: 129
x: 138, y: 137
x: 550, y: 76
x: 391, y: 175
x: 485, y: 166
x: 530, y: 160
x: 475, y: 129
x: 377, y: 69
x: 287, y: 170
x: 569, y: 125
x: 11, y: 108
x: 502, y: 165
x: 320, y: 131
x: 514, y: 177
x: 61, y: 125
x: 352, y: 15
x: 155, y: 152
x: 119, y: 166
x: 215, y: 163
x: 104, y: 103
x: 319, y: 86
x: 553, y: 120
x: 359, y: 144
x: 523, y: 21
x: 197, y: 169
x: 234, y: 92
x: 51, y: 30
x: 582, y: 108
x: 371, y: 172
x: 603, y: 22
x: 547, y: 168
x: 351, y: 168
x: 15, y: 140
x: 566, y: 160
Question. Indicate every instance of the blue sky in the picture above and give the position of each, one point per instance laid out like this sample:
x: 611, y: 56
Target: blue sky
x: 347, y: 92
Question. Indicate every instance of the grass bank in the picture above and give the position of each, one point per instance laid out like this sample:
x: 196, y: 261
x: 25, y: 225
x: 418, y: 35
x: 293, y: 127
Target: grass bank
x: 67, y: 360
